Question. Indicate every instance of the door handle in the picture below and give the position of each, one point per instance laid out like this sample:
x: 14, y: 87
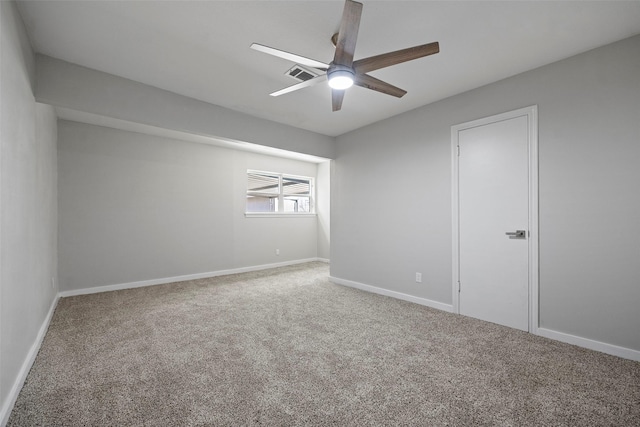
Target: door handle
x: 518, y: 234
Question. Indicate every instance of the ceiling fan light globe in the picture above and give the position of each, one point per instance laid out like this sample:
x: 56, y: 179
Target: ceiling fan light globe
x: 340, y: 79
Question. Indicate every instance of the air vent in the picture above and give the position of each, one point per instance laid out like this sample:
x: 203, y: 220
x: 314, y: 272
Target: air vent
x: 301, y: 74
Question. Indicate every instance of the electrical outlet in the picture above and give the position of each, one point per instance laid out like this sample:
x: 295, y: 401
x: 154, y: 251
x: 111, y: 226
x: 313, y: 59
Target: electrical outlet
x: 277, y: 251
x: 418, y: 277
x: 53, y: 283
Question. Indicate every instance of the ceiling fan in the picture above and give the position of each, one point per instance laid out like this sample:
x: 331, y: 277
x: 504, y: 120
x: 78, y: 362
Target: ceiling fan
x: 343, y: 71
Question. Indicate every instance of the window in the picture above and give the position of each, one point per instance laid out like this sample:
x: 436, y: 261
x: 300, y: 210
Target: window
x: 269, y: 192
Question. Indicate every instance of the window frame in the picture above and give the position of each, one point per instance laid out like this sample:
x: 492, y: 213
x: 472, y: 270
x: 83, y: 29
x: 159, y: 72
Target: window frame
x: 281, y: 196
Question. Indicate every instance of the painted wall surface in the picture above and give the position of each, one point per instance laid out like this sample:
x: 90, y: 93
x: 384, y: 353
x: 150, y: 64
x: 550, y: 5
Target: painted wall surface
x: 136, y: 207
x: 28, y: 212
x: 391, y: 193
x: 63, y: 84
x: 323, y: 209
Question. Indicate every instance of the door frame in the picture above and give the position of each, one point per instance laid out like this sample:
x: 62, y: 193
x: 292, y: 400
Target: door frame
x: 532, y: 126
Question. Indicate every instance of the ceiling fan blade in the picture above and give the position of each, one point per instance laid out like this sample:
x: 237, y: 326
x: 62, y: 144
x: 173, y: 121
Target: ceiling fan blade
x: 348, y: 33
x: 310, y: 82
x: 336, y: 99
x: 366, y: 81
x: 290, y: 56
x: 365, y: 65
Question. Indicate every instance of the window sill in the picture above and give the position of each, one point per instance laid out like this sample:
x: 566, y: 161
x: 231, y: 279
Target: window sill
x: 278, y: 215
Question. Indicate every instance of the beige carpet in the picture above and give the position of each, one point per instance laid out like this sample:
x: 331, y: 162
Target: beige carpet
x: 286, y: 347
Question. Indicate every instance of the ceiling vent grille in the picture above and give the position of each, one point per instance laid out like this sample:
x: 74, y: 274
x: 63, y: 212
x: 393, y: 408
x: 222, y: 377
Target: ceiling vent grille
x: 301, y: 74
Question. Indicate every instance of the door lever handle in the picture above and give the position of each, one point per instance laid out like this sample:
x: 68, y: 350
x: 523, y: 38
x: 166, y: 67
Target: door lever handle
x: 518, y: 234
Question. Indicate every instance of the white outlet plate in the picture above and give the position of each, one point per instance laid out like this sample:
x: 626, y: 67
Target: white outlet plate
x: 277, y: 251
x: 418, y: 277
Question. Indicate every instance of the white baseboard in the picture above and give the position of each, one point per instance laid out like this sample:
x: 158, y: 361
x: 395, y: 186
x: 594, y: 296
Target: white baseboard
x: 165, y: 280
x: 614, y: 350
x: 323, y: 260
x: 26, y: 365
x: 394, y: 294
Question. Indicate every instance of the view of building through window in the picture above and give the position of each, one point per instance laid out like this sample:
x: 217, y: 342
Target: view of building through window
x: 280, y: 193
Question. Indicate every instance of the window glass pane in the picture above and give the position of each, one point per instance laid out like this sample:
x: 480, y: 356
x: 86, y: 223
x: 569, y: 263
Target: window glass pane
x: 262, y: 204
x: 262, y: 183
x: 297, y: 204
x: 274, y: 192
x: 295, y: 186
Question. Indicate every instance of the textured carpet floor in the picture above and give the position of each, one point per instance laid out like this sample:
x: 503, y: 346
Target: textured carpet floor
x: 286, y: 347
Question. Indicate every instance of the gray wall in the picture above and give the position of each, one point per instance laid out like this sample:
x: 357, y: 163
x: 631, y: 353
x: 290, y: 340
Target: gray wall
x: 28, y: 213
x: 323, y: 209
x: 137, y: 207
x: 71, y: 86
x: 391, y: 193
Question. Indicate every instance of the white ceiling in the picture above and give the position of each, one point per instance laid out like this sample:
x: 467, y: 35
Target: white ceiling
x: 201, y: 48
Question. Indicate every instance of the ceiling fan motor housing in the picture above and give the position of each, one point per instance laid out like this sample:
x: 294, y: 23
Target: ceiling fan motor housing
x: 340, y: 76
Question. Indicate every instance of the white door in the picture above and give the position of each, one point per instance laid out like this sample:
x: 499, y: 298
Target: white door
x: 493, y: 219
